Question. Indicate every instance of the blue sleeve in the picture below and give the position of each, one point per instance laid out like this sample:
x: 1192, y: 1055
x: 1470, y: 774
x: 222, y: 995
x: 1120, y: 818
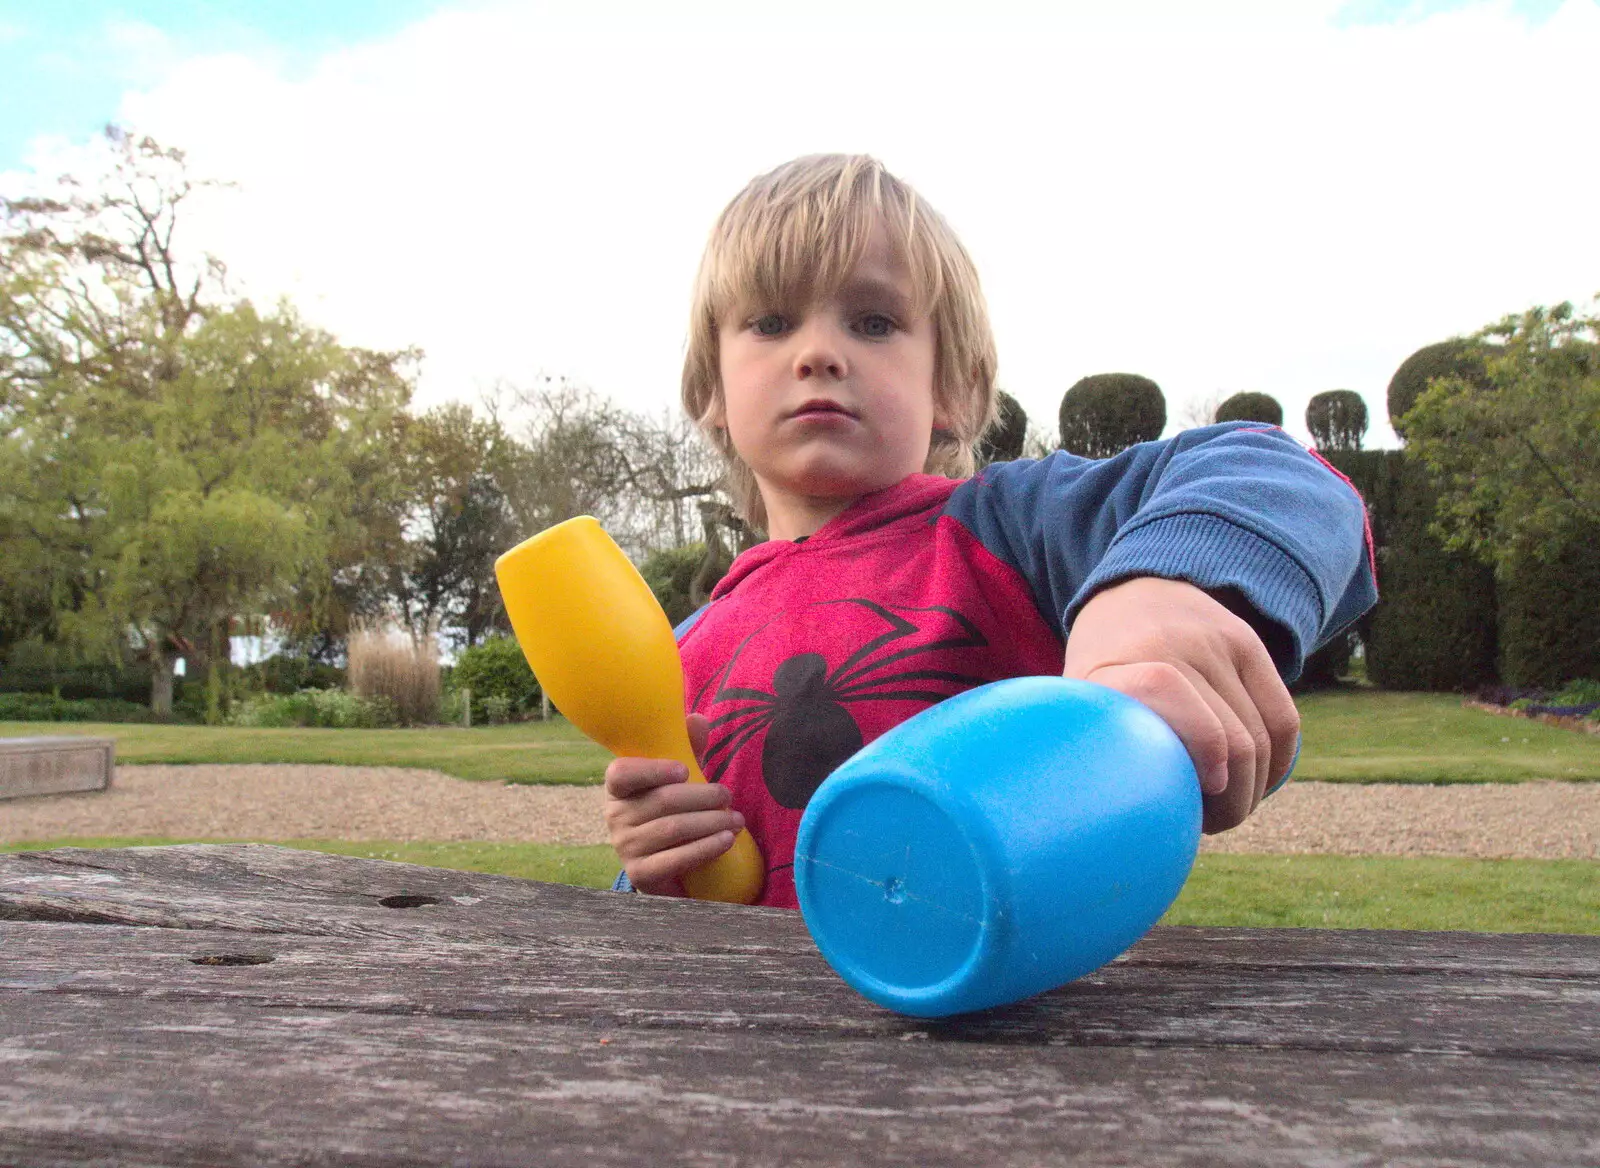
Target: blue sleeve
x: 1231, y: 506
x: 689, y: 622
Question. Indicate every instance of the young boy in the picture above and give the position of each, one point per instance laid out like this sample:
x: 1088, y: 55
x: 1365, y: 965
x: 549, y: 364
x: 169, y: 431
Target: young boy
x: 840, y: 359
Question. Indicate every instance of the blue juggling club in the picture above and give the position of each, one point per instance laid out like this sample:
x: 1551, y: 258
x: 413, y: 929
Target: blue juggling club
x: 998, y: 844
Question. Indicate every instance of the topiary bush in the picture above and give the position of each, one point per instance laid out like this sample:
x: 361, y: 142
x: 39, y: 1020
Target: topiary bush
x: 495, y: 668
x: 1105, y: 413
x: 1003, y: 441
x: 1453, y: 358
x: 1250, y: 407
x: 1337, y: 419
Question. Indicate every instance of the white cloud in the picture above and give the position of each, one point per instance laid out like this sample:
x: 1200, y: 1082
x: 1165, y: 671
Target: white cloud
x: 1228, y: 198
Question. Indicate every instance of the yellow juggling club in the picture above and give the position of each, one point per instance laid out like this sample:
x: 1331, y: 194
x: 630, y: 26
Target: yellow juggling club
x: 604, y: 651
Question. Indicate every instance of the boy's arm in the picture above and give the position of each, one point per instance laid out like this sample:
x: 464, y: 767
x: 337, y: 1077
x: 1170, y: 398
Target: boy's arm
x: 1207, y: 672
x: 661, y: 825
x: 1197, y: 574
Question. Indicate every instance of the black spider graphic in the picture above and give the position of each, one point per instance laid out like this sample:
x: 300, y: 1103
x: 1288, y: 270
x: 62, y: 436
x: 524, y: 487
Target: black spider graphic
x: 809, y: 731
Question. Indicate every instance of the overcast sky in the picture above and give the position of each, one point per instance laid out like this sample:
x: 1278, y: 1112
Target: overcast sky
x: 1282, y: 196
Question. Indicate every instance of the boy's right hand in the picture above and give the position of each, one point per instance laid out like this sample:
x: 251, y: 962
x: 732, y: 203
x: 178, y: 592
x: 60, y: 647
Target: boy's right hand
x: 663, y: 826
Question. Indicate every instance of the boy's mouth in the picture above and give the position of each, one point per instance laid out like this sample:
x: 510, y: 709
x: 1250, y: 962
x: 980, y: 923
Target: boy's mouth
x: 821, y: 405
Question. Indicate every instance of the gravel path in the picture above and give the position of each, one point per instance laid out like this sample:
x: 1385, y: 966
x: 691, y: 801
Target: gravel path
x: 1533, y: 820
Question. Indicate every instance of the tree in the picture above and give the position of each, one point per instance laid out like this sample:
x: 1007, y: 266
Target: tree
x: 641, y: 477
x: 1514, y: 451
x: 1337, y: 419
x: 1105, y: 413
x: 169, y: 462
x: 1250, y: 407
x: 1004, y: 440
x: 458, y: 470
x: 1201, y: 411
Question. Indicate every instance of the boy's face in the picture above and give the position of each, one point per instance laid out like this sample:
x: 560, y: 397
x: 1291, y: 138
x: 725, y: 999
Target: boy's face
x: 833, y: 401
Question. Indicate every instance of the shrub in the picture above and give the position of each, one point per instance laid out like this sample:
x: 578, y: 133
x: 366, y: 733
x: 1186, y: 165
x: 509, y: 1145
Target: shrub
x: 1337, y: 419
x: 1250, y: 407
x: 40, y: 707
x: 1003, y: 441
x: 1105, y: 413
x: 1453, y: 358
x: 1583, y: 692
x: 670, y: 574
x: 388, y: 664
x: 451, y: 704
x: 325, y: 708
x: 495, y: 669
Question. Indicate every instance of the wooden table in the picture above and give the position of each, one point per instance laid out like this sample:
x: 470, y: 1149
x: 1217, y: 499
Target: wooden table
x: 253, y: 1005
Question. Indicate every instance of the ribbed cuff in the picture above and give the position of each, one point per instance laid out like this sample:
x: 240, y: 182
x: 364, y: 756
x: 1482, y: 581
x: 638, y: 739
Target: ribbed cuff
x: 1209, y: 552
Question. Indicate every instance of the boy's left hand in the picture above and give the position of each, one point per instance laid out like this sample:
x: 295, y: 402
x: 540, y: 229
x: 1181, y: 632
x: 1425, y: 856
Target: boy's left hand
x: 1206, y: 672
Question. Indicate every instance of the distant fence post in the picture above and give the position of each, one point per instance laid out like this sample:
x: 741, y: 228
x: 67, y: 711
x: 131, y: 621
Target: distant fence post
x: 466, y: 709
x: 544, y: 706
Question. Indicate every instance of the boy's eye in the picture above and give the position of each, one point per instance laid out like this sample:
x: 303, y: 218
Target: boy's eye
x: 770, y: 325
x: 875, y: 324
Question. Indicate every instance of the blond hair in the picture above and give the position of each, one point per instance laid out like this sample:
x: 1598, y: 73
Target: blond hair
x: 794, y: 235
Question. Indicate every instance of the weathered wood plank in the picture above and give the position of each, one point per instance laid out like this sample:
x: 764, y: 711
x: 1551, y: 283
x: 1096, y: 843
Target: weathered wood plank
x: 419, y: 1016
x: 55, y: 766
x: 226, y: 1083
x: 266, y: 889
x: 1145, y: 1003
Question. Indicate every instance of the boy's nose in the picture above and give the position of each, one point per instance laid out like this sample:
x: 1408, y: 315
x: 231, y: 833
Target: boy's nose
x: 818, y: 354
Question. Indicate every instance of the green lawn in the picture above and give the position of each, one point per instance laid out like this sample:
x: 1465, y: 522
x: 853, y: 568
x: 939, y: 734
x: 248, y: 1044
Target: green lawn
x: 586, y: 867
x: 1329, y: 892
x: 1373, y: 736
x: 1351, y: 735
x: 1384, y: 892
x: 528, y: 752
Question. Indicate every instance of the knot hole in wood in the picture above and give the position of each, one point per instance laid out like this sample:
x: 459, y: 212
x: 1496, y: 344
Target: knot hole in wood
x: 408, y: 900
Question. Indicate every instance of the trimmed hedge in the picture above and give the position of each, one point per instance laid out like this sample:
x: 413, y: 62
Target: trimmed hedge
x: 1550, y: 617
x: 130, y: 683
x: 43, y: 707
x: 1327, y: 665
x: 1434, y: 624
x: 286, y: 674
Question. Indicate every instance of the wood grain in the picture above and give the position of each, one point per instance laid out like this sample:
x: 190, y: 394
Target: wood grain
x: 255, y: 1005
